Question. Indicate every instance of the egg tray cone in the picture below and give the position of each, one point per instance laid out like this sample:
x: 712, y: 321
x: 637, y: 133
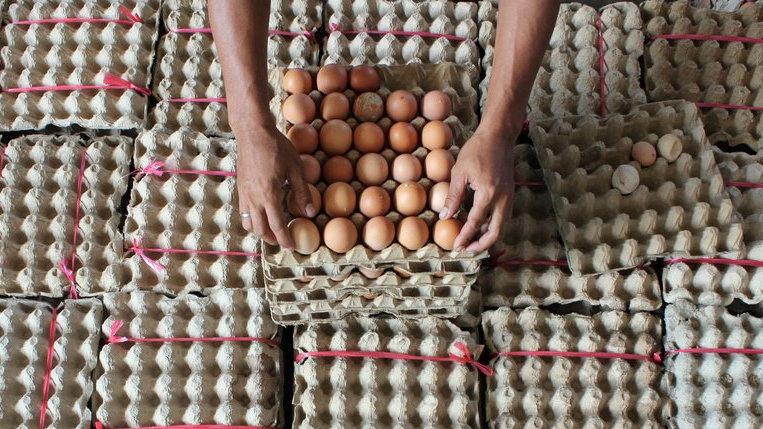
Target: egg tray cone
x: 25, y: 326
x: 532, y: 391
x: 27, y: 10
x: 285, y: 15
x: 721, y: 284
x: 356, y: 392
x: 679, y: 209
x: 37, y: 212
x: 65, y: 54
x: 218, y: 382
x: 708, y: 71
x: 709, y: 389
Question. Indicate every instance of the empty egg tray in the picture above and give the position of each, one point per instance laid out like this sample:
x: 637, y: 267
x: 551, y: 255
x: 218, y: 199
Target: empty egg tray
x: 291, y: 16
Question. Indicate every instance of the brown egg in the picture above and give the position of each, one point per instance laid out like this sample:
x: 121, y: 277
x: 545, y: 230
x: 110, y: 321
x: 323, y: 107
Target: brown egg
x: 446, y: 231
x: 298, y: 109
x: 295, y: 208
x: 368, y: 137
x: 406, y: 168
x: 403, y: 137
x: 338, y: 169
x: 311, y: 168
x: 368, y: 107
x: 402, y: 106
x: 372, y: 169
x: 297, y: 81
x: 378, y: 233
x: 335, y: 137
x: 371, y: 273
x: 410, y: 198
x: 438, y: 164
x: 644, y: 153
x: 305, y: 234
x: 340, y: 234
x: 374, y: 201
x: 436, y: 105
x: 364, y: 78
x: 412, y: 233
x: 332, y: 78
x: 335, y: 106
x: 437, y: 195
x: 339, y: 200
x: 436, y: 135
x: 304, y: 137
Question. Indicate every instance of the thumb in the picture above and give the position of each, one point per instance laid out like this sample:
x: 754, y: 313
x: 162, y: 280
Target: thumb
x: 301, y: 193
x: 455, y: 195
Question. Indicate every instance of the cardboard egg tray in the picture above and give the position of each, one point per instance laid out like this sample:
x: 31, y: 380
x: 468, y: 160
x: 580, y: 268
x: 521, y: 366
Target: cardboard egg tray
x: 293, y: 16
x: 82, y: 54
x: 38, y: 210
x: 141, y: 384
x: 533, y: 391
x: 371, y: 392
x: 26, y: 10
x: 708, y: 71
x: 25, y: 327
x: 711, y: 389
x: 680, y: 209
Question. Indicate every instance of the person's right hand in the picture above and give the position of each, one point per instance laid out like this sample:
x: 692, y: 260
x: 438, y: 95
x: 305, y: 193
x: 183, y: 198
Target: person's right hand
x: 266, y: 160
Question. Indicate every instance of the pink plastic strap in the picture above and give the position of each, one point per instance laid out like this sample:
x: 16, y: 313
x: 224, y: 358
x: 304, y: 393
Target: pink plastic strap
x: 48, y: 368
x: 197, y: 100
x: 703, y: 350
x: 743, y: 184
x: 65, y: 265
x: 602, y: 65
x: 110, y: 81
x: 131, y: 19
x: 68, y: 265
x: 465, y: 357
x: 334, y: 28
x: 114, y: 338
x: 156, y: 168
x: 99, y: 425
x: 208, y: 30
x: 495, y: 261
x: 707, y: 37
x: 721, y: 261
x: 655, y: 357
x: 2, y: 159
x: 728, y: 106
x: 156, y: 266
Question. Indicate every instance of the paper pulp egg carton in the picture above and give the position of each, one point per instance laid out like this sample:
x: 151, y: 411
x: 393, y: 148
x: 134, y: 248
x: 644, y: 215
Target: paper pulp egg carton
x: 364, y: 392
x: 721, y: 284
x: 38, y: 202
x: 189, y: 382
x: 680, y: 209
x: 25, y: 326
x: 711, y: 389
x: 293, y: 16
x: 23, y: 10
x: 708, y: 71
x: 532, y: 235
x: 533, y: 391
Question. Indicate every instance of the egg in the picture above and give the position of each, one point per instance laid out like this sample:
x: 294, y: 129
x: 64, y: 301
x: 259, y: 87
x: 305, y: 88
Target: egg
x: 374, y: 201
x: 368, y: 107
x: 670, y: 147
x: 332, y: 78
x: 338, y: 169
x: 436, y: 135
x: 340, y: 234
x: 335, y: 137
x: 406, y: 168
x: 371, y: 273
x: 437, y: 195
x: 410, y: 198
x: 339, y: 200
x: 304, y: 137
x: 295, y: 208
x: 438, y: 164
x: 305, y: 234
x: 368, y: 137
x: 412, y: 233
x: 625, y: 179
x: 436, y: 105
x: 311, y: 168
x: 403, y: 137
x: 372, y: 169
x: 364, y: 78
x: 378, y: 233
x: 298, y: 109
x: 644, y: 153
x: 446, y: 231
x: 297, y: 81
x: 335, y: 106
x: 402, y: 106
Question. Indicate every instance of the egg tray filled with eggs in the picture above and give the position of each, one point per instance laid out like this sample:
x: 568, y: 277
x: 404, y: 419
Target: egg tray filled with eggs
x: 619, y: 205
x: 285, y: 15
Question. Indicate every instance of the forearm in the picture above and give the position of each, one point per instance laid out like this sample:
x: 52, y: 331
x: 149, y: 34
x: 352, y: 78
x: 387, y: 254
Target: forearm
x: 524, y: 29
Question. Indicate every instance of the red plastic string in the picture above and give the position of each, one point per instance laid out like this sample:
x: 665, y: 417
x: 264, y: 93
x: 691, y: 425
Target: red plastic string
x: 110, y: 81
x: 743, y: 184
x: 728, y: 106
x: 114, y: 338
x: 602, y: 65
x: 48, y: 368
x: 68, y: 266
x: 707, y: 37
x: 197, y: 100
x: 208, y: 30
x: 465, y: 357
x: 99, y: 425
x: 335, y: 29
x: 156, y: 168
x: 655, y: 357
x: 741, y: 262
x: 156, y: 266
x: 131, y: 19
x: 495, y: 261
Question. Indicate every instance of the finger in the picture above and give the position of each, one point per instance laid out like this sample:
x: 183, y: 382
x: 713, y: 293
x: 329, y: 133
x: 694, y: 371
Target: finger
x: 277, y: 223
x: 301, y: 193
x: 473, y: 221
x: 494, y: 228
x: 455, y: 195
x: 246, y: 221
x: 261, y: 227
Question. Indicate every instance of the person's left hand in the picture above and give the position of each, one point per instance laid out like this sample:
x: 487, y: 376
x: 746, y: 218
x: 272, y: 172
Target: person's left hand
x: 486, y: 164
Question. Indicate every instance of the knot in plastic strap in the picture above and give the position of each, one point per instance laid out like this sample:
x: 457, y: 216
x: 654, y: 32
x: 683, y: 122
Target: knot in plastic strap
x: 131, y: 16
x: 138, y: 250
x: 110, y: 79
x: 154, y: 168
x: 113, y: 337
x: 466, y: 358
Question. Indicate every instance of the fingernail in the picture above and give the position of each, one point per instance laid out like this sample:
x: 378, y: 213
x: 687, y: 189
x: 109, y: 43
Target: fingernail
x: 444, y: 213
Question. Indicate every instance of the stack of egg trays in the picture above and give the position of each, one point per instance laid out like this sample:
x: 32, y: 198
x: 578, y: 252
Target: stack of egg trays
x: 680, y: 209
x: 372, y: 392
x: 76, y: 54
x: 194, y: 213
x: 38, y: 211
x: 360, y: 39
x: 25, y: 328
x: 569, y: 80
x: 708, y: 71
x: 189, y: 68
x: 532, y: 235
x: 714, y: 389
x: 328, y: 286
x: 542, y: 391
x: 720, y: 283
x: 184, y: 382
